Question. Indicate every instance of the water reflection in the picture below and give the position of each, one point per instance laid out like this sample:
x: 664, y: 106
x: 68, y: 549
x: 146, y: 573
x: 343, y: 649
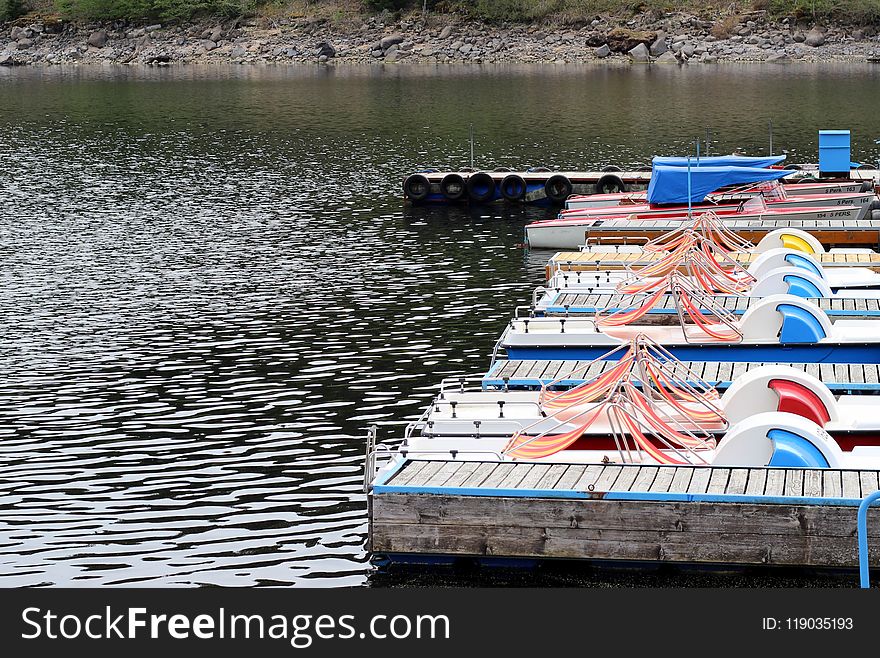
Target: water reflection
x: 211, y: 286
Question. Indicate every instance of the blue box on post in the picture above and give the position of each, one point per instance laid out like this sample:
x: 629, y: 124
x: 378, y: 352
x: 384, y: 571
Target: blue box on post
x: 834, y: 153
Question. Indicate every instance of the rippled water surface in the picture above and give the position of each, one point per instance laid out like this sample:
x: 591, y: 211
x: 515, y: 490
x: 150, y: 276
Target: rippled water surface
x: 210, y: 286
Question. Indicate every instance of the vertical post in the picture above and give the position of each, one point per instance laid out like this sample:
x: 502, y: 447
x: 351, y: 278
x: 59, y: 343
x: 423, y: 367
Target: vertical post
x: 690, y: 209
x: 708, y: 141
x: 770, y: 126
x: 472, y: 145
x: 862, y: 527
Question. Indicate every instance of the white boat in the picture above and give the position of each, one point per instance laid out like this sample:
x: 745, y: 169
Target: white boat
x: 651, y: 410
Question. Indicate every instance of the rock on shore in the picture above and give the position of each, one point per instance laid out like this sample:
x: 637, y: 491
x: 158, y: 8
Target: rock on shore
x: 675, y: 37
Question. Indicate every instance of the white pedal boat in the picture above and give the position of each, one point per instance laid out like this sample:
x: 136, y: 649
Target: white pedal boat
x: 776, y: 271
x: 771, y: 416
x: 777, y: 328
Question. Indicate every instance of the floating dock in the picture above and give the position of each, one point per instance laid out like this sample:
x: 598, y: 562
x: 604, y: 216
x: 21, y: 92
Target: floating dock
x: 830, y: 232
x: 540, y: 185
x: 664, y: 312
x: 842, y: 378
x: 591, y: 261
x: 429, y: 511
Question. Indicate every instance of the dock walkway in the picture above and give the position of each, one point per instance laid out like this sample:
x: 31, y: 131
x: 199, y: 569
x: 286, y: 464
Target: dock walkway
x: 735, y: 516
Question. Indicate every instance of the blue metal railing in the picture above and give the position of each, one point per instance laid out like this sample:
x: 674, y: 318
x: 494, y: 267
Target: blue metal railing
x: 862, y: 525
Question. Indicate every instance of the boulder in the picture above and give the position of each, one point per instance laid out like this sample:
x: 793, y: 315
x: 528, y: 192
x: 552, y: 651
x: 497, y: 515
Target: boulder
x: 207, y: 44
x: 799, y: 37
x: 457, y: 44
x: 815, y: 38
x: 153, y: 28
x: 640, y: 53
x: 391, y: 56
x: 24, y: 44
x: 216, y: 34
x: 17, y: 33
x: 688, y: 50
x: 238, y: 52
x: 602, y: 51
x: 659, y: 46
x: 667, y: 58
x: 390, y: 40
x: 324, y: 49
x: 446, y: 32
x: 778, y: 57
x: 622, y: 40
x: 98, y: 38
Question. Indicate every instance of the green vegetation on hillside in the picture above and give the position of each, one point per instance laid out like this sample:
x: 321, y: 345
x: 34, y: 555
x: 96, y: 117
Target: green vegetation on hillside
x: 494, y: 11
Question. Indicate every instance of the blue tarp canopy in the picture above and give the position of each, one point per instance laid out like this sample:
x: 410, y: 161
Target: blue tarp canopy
x: 720, y: 161
x: 670, y: 184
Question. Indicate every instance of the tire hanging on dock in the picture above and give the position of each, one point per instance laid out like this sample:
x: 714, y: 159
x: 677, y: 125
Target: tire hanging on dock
x: 481, y: 187
x: 610, y: 184
x: 557, y: 188
x: 513, y: 188
x: 416, y: 187
x: 453, y: 187
x: 608, y: 168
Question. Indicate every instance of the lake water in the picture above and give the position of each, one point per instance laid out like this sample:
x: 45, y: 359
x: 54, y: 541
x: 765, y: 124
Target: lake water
x: 210, y: 287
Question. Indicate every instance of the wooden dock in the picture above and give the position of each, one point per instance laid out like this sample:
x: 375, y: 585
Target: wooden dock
x: 530, y: 374
x: 585, y: 302
x: 849, y: 232
x: 591, y: 261
x: 429, y: 510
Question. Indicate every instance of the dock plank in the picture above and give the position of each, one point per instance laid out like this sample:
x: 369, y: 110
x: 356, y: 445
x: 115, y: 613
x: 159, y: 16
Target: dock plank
x: 644, y: 479
x: 409, y: 470
x: 794, y: 482
x: 480, y: 475
x: 718, y: 481
x: 570, y: 477
x: 775, y: 485
x: 736, y: 483
x: 699, y: 481
x: 851, y: 484
x: 831, y: 486
x: 663, y: 480
x: 589, y: 477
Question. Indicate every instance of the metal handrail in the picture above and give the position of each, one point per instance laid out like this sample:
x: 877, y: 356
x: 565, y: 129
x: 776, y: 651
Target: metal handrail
x: 862, y: 526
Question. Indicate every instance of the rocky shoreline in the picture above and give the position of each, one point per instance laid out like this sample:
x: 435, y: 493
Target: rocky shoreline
x: 673, y: 38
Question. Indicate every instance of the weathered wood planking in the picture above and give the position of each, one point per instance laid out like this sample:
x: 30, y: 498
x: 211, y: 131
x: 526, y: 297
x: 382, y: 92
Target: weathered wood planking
x: 719, y: 533
x: 586, y: 261
x: 419, y: 512
x: 583, y: 302
x: 574, y: 371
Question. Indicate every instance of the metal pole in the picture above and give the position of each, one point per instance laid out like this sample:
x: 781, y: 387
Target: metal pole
x: 771, y: 136
x: 690, y: 209
x: 862, y: 528
x: 472, y: 145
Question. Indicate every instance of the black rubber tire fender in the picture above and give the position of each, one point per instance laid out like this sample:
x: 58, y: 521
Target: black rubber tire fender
x: 608, y: 168
x: 481, y: 187
x: 557, y: 188
x: 610, y: 184
x: 416, y: 187
x: 453, y: 187
x: 513, y: 188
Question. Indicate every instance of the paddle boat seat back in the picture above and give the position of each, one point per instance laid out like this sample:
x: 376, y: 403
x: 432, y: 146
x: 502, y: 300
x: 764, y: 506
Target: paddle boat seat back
x: 785, y: 319
x: 792, y: 281
x: 777, y: 257
x: 779, y: 388
x: 790, y: 238
x: 778, y: 439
